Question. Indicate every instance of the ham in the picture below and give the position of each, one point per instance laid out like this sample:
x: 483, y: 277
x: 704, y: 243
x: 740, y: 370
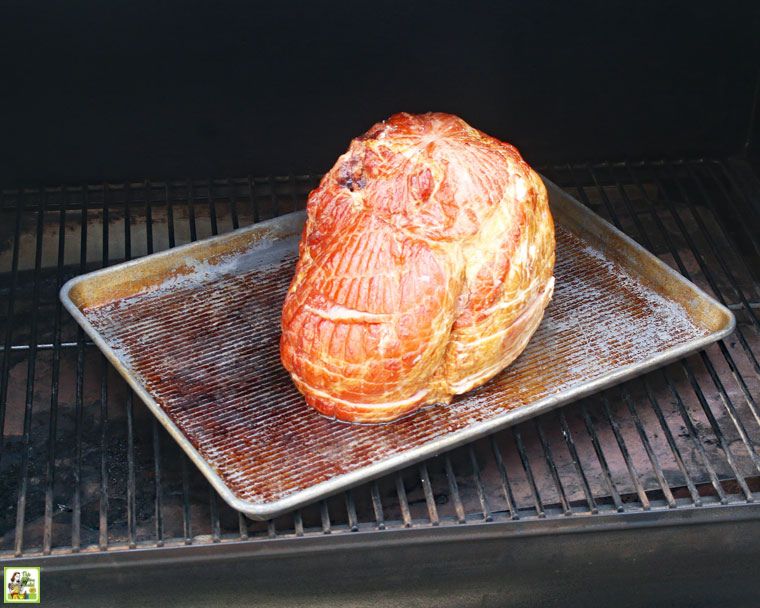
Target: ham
x: 424, y: 268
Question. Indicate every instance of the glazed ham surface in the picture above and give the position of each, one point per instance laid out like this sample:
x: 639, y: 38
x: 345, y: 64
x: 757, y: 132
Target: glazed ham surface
x: 425, y: 267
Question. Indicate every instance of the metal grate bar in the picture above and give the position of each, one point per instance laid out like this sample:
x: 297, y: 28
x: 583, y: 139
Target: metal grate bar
x: 506, y: 486
x: 44, y: 346
x: 403, y: 502
x: 377, y: 506
x: 76, y: 524
x: 47, y: 540
x: 191, y: 211
x: 552, y: 467
x: 601, y: 458
x: 148, y: 219
x: 216, y: 526
x: 528, y: 472
x: 298, y: 523
x: 169, y: 218
x: 234, y: 211
x: 479, y: 485
x: 131, y: 484
x: 155, y: 438
x: 4, y: 373
x: 353, y: 519
x: 293, y: 192
x: 252, y: 201
x: 212, y: 208
x: 243, y: 527
x: 103, y: 506
x: 650, y: 452
x: 186, y: 524
x: 274, y: 201
x: 29, y: 403
x: 127, y: 223
x: 186, y: 510
x: 429, y: 495
x: 324, y: 514
x: 131, y: 519
x: 158, y: 513
x: 454, y: 490
x: 568, y: 436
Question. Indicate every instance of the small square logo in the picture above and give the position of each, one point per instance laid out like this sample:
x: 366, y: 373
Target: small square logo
x: 22, y: 585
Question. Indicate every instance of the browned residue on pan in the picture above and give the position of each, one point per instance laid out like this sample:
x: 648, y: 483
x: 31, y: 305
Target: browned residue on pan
x: 207, y: 351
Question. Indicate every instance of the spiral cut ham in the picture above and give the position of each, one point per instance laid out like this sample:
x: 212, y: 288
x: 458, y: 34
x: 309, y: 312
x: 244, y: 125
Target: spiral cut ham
x: 425, y: 267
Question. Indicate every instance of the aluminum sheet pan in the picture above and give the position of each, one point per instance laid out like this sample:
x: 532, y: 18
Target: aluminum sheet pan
x: 195, y: 331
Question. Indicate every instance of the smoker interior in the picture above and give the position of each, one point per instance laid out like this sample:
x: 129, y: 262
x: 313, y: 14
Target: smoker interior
x: 87, y: 468
x: 646, y: 491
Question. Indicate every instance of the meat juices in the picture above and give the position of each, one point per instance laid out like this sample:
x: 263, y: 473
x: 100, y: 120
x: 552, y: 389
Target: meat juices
x: 425, y: 267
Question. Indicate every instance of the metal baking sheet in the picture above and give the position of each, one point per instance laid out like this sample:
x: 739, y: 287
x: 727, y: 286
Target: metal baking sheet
x: 195, y: 331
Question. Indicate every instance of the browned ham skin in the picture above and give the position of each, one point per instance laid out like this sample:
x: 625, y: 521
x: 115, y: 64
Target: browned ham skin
x: 425, y: 267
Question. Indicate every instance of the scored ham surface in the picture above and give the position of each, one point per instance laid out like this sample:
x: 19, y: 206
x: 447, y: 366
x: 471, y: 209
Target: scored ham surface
x: 424, y: 268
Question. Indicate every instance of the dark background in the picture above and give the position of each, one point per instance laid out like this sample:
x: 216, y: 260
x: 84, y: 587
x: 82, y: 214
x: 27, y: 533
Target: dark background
x: 114, y: 90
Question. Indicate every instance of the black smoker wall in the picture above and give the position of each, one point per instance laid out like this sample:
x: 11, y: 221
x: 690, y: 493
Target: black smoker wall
x: 119, y: 89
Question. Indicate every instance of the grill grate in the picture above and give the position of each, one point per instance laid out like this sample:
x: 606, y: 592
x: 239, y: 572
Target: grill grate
x: 85, y: 467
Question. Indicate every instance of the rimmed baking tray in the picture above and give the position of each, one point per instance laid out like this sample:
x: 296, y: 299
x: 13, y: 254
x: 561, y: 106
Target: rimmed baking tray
x: 195, y: 331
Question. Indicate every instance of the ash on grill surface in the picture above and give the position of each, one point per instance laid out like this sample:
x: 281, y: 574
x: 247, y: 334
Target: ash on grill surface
x: 674, y: 439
